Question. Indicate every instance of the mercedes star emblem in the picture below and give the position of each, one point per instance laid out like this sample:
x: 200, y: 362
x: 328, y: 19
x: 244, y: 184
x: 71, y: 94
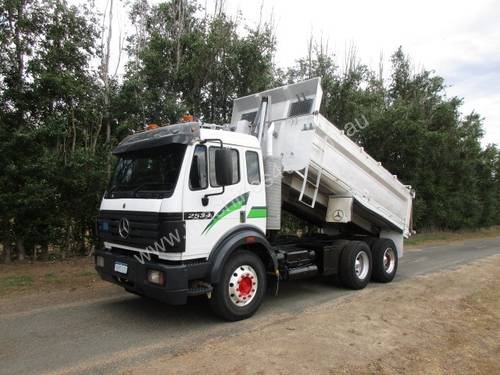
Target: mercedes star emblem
x: 124, y: 228
x: 338, y: 215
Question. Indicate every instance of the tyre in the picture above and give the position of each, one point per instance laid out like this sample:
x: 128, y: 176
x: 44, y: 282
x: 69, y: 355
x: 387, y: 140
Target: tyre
x: 369, y: 241
x: 355, y: 265
x: 241, y: 289
x: 385, y: 260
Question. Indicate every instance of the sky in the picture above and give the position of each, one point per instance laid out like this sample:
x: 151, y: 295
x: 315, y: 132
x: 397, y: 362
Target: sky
x: 459, y: 40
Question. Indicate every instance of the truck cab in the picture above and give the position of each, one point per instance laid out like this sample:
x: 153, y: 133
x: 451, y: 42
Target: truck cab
x: 176, y: 195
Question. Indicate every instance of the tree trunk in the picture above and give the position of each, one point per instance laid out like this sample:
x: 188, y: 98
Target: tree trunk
x: 73, y: 126
x: 7, y: 250
x: 105, y: 75
x: 106, y: 80
x: 44, y: 251
x: 21, y: 250
x: 20, y: 59
x: 67, y: 241
x: 179, y: 32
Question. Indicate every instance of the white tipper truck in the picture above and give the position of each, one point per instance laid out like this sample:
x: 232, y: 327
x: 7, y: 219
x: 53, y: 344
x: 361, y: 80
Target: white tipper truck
x: 195, y: 209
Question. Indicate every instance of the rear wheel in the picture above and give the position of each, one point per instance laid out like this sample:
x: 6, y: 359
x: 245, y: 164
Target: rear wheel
x: 355, y: 265
x: 385, y: 260
x: 241, y: 289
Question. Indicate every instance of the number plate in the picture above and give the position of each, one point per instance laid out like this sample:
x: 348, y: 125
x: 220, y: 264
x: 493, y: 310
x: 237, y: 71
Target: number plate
x: 121, y: 267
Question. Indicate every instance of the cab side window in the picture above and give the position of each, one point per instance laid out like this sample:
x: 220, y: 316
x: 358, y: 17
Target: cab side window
x: 198, y: 175
x: 253, y: 168
x: 236, y: 166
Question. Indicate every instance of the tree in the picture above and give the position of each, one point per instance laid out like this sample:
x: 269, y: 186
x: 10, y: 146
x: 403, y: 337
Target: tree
x: 182, y: 62
x: 20, y: 23
x: 416, y: 131
x: 62, y: 109
x: 48, y: 111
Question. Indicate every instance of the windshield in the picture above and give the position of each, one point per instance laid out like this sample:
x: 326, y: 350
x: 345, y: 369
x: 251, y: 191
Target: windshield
x: 149, y: 173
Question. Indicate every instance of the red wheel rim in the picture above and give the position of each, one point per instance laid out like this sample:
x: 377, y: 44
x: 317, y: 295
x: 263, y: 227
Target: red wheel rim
x: 245, y: 285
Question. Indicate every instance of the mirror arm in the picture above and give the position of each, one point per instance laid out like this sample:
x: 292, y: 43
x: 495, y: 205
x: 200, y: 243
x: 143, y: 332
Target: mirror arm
x: 204, y: 200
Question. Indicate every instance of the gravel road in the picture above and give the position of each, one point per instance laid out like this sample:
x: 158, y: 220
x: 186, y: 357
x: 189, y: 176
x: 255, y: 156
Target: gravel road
x: 114, y: 331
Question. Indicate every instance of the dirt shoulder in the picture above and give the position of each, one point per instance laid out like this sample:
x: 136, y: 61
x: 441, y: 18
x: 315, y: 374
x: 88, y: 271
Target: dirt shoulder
x: 436, y: 324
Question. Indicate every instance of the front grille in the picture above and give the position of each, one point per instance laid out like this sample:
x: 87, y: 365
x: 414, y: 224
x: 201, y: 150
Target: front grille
x: 144, y: 228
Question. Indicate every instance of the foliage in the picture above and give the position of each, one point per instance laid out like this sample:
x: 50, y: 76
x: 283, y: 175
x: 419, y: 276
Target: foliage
x: 204, y: 65
x: 418, y: 133
x: 51, y: 177
x: 61, y: 113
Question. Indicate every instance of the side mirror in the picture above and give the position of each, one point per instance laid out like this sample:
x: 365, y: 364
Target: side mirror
x: 224, y: 166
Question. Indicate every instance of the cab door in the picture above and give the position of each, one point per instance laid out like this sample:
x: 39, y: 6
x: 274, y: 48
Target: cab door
x: 207, y: 223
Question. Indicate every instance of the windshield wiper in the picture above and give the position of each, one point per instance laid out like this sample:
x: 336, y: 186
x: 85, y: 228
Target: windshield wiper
x: 141, y: 186
x: 114, y: 188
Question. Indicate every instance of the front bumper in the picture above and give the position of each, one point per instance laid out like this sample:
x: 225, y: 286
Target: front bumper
x: 177, y: 276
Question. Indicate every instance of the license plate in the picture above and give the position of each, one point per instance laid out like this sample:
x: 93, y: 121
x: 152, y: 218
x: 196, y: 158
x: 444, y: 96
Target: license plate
x: 121, y: 267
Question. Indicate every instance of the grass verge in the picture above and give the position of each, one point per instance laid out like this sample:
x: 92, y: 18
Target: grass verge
x: 29, y: 278
x: 436, y: 237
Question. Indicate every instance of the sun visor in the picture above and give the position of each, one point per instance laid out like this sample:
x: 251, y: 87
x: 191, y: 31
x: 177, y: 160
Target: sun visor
x: 180, y: 133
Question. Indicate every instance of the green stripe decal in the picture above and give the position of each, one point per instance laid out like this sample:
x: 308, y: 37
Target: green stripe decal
x: 232, y: 206
x: 257, y: 213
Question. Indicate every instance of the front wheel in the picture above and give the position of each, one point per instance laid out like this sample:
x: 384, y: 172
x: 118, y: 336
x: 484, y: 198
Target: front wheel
x: 241, y: 289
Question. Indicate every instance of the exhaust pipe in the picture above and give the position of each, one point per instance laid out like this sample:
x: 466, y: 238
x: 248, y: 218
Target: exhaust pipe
x: 272, y: 172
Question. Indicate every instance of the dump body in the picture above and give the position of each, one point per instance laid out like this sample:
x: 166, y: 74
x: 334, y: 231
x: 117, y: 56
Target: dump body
x: 346, y: 172
x: 333, y: 178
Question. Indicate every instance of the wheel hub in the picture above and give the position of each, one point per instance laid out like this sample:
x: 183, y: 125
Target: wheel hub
x: 389, y: 260
x: 361, y: 265
x: 245, y: 288
x: 243, y: 285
